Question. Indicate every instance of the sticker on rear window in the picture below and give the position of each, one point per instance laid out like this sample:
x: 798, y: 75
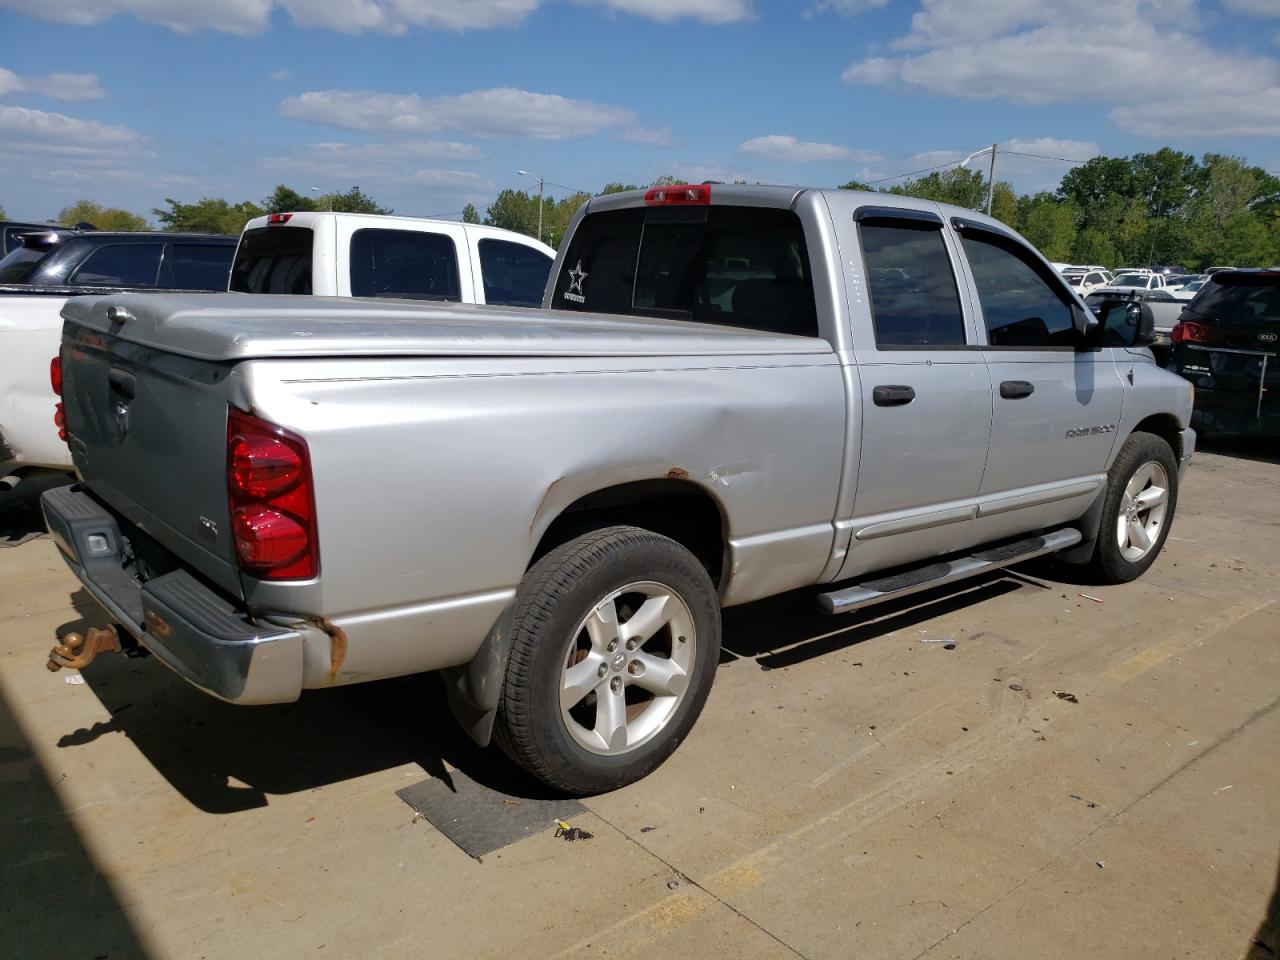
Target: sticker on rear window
x: 574, y: 292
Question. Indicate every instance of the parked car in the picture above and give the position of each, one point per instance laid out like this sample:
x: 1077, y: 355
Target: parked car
x: 1085, y: 283
x: 1187, y: 290
x: 1226, y: 343
x: 172, y: 261
x: 1136, y: 280
x: 11, y: 232
x: 30, y: 319
x: 363, y: 255
x: 734, y: 395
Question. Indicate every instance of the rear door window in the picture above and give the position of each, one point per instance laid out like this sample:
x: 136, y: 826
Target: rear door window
x: 736, y: 266
x: 20, y: 263
x: 404, y: 264
x: 914, y: 299
x: 514, y: 274
x: 273, y: 260
x: 120, y: 265
x: 198, y: 266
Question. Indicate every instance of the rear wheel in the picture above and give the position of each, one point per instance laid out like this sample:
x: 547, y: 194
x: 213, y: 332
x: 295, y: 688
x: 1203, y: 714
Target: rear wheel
x: 615, y: 642
x: 1142, y: 493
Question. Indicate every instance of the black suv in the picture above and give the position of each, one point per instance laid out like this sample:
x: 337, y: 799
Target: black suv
x: 1226, y: 342
x: 12, y: 232
x: 166, y: 261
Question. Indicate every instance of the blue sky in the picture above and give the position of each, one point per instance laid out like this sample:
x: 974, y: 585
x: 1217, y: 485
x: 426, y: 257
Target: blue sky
x: 431, y: 104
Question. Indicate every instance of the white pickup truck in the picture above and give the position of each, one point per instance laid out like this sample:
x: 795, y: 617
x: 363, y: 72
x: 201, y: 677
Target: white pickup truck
x: 326, y: 254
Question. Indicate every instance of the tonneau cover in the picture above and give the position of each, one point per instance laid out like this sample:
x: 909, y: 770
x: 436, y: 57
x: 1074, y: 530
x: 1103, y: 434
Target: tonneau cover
x: 233, y: 326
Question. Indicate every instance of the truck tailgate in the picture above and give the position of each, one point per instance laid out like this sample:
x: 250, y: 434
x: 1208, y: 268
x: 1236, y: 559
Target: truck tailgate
x: 148, y: 435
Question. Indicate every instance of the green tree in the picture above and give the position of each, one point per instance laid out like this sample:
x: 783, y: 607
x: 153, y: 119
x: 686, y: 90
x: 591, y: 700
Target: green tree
x: 353, y: 201
x: 855, y: 185
x: 617, y: 188
x: 207, y: 215
x: 959, y: 186
x: 1050, y: 225
x: 104, y: 218
x: 470, y: 214
x: 3, y: 215
x: 1004, y: 204
x: 286, y: 200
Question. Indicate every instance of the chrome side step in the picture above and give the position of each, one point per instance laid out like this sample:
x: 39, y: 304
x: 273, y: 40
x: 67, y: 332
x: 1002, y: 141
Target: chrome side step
x: 939, y: 574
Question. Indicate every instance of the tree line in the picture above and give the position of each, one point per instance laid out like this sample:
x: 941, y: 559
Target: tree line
x: 1165, y: 207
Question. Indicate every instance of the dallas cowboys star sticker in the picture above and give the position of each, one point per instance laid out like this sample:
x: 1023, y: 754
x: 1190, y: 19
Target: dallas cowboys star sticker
x: 576, y: 276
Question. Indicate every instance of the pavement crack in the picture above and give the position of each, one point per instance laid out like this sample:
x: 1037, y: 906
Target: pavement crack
x: 1220, y: 742
x: 694, y: 883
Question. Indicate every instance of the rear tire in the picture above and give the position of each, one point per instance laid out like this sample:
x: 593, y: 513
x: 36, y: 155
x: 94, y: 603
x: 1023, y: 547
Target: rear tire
x: 615, y: 642
x: 1142, y: 494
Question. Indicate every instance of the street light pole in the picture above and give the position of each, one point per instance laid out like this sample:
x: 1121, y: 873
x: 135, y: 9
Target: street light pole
x: 541, y: 185
x: 991, y: 180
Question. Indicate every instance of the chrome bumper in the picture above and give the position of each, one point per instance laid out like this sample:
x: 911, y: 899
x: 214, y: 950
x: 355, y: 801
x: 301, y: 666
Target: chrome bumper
x: 198, y: 633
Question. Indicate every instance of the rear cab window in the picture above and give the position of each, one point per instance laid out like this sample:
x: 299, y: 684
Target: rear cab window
x: 273, y: 259
x: 20, y: 264
x: 745, y: 267
x: 404, y: 264
x: 514, y: 275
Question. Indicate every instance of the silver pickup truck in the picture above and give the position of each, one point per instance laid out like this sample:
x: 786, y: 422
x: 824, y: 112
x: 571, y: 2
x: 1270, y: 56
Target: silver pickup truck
x: 734, y: 392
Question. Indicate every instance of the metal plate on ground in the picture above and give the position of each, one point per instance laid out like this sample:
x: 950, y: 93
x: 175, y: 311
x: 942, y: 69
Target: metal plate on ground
x: 493, y: 810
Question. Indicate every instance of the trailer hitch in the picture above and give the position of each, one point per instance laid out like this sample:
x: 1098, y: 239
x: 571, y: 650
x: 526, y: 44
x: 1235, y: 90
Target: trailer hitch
x: 79, y: 651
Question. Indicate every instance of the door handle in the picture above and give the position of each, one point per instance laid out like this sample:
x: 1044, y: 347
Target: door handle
x: 1013, y: 389
x: 122, y: 382
x: 892, y: 395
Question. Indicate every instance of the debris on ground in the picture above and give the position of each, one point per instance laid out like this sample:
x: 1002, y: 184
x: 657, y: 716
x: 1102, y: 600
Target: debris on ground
x: 514, y: 803
x: 75, y: 679
x: 1088, y: 803
x: 672, y: 884
x: 571, y: 834
x: 1094, y: 599
x: 1069, y: 697
x: 1101, y: 863
x: 1016, y: 687
x: 647, y: 829
x: 948, y: 643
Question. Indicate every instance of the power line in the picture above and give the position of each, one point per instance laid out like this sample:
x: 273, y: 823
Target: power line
x: 1040, y: 156
x: 913, y: 173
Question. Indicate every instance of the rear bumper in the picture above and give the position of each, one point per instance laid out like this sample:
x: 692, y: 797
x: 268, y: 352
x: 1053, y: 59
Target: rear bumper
x: 191, y: 628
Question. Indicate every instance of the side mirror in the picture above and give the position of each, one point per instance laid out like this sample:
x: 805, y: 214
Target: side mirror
x: 1122, y: 323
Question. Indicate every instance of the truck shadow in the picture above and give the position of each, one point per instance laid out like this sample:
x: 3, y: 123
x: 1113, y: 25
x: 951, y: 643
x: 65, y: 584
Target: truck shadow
x: 225, y: 758
x: 58, y: 902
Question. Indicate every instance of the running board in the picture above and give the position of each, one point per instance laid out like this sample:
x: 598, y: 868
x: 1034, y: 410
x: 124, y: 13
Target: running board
x: 939, y: 574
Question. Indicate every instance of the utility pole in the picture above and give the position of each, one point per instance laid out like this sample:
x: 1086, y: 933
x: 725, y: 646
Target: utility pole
x: 541, y: 184
x: 991, y: 180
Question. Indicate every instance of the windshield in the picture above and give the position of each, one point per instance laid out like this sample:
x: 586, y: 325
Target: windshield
x: 1130, y: 280
x: 20, y: 264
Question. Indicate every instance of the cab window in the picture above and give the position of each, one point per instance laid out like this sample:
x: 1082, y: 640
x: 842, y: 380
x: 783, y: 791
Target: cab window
x: 120, y: 265
x: 404, y: 264
x: 914, y: 299
x: 1021, y: 306
x: 514, y: 274
x: 743, y: 267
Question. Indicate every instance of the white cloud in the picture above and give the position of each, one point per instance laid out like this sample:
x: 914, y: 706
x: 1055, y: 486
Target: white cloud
x: 368, y: 162
x: 355, y: 16
x: 665, y: 11
x: 846, y: 8
x: 229, y: 16
x: 1021, y: 50
x: 280, y: 74
x: 1254, y: 8
x: 59, y: 86
x: 790, y: 150
x: 56, y: 135
x: 450, y: 178
x: 500, y: 112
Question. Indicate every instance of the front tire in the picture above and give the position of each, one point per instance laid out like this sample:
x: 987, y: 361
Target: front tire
x: 615, y: 642
x: 1142, y: 493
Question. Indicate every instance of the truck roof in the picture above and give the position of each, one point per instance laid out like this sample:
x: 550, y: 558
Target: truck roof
x: 309, y: 218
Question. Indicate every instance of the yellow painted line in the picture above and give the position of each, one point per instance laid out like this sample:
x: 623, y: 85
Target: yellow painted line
x: 1163, y: 650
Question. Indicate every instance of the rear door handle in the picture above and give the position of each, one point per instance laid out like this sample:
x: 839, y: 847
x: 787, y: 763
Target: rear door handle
x: 892, y: 395
x: 1013, y: 389
x: 122, y: 382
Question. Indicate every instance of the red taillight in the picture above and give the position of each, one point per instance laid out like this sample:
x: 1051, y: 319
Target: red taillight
x: 272, y: 501
x: 1188, y: 332
x: 55, y: 374
x: 60, y: 421
x: 279, y: 217
x: 680, y: 194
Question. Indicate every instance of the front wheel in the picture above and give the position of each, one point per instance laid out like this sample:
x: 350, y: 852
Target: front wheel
x: 615, y: 642
x: 1142, y: 492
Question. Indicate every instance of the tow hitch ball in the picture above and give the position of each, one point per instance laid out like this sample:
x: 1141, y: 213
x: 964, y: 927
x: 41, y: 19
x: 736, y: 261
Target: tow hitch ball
x: 79, y: 651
